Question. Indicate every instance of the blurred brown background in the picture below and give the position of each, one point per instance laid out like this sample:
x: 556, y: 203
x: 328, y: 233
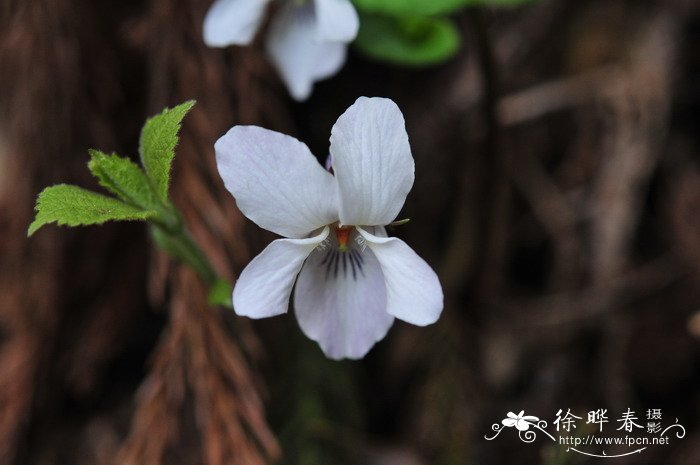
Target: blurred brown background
x: 557, y: 195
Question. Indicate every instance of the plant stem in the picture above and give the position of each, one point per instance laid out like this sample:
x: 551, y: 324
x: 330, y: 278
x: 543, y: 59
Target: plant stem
x: 170, y: 234
x: 179, y: 244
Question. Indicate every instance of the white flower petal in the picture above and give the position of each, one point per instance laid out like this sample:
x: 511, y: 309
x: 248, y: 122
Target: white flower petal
x: 509, y: 422
x: 414, y: 293
x: 330, y: 57
x: 300, y: 58
x: 372, y: 161
x: 265, y: 285
x: 233, y: 22
x: 341, y: 303
x: 276, y: 181
x: 337, y: 20
x: 522, y: 425
x: 379, y: 231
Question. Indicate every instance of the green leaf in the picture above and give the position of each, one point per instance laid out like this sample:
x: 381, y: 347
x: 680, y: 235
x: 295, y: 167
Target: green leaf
x: 124, y: 178
x: 157, y: 146
x: 411, y: 7
x: 68, y: 205
x: 221, y: 293
x: 407, y: 40
x: 504, y: 3
x: 426, y: 7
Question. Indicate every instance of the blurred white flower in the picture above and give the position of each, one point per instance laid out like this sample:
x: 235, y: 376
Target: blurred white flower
x: 307, y: 40
x: 351, y: 279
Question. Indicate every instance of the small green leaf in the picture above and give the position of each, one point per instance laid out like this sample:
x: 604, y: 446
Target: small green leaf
x: 74, y: 206
x: 157, y: 146
x: 407, y: 40
x: 411, y: 7
x: 124, y: 178
x: 221, y: 293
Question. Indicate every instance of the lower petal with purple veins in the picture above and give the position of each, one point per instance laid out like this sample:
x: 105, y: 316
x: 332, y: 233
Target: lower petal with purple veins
x: 340, y: 301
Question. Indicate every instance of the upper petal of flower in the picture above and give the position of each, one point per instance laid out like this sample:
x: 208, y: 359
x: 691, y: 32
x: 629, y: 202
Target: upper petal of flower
x: 414, y: 293
x: 300, y: 58
x: 265, y: 285
x: 233, y: 22
x: 337, y: 20
x: 276, y: 181
x: 372, y: 162
x: 340, y: 302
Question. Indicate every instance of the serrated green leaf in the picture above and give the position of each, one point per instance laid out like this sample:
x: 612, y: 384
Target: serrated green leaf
x: 157, y: 146
x: 123, y: 178
x: 407, y: 40
x: 68, y: 205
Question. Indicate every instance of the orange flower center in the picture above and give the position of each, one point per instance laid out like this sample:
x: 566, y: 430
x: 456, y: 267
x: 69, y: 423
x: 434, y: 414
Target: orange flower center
x: 342, y: 233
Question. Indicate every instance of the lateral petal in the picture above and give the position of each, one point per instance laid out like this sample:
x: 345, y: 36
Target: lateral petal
x: 265, y: 285
x: 414, y: 293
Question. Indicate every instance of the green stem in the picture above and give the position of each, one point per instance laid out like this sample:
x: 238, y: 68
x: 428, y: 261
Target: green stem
x: 170, y: 234
x: 180, y: 245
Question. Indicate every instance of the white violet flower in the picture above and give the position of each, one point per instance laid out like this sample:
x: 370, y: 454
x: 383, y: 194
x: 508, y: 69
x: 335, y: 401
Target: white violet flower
x: 307, y: 40
x: 351, y: 279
